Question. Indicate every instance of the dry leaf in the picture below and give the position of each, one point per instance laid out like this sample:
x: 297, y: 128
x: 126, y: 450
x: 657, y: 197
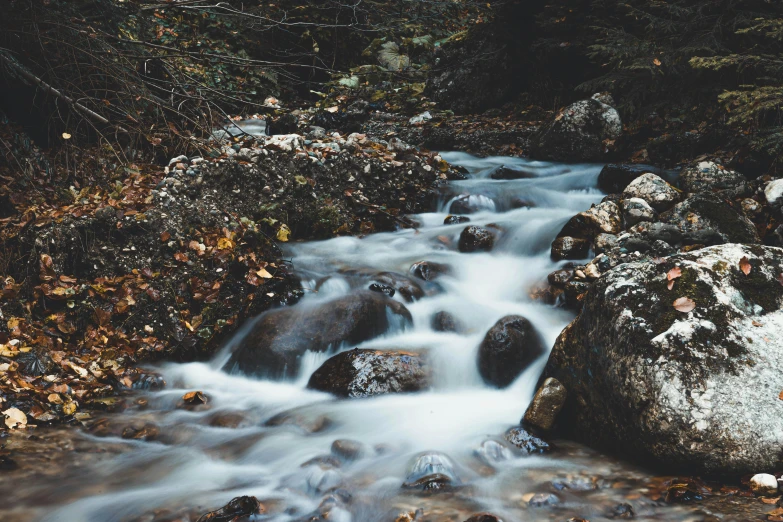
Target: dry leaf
x: 684, y: 304
x: 55, y: 398
x: 745, y: 265
x: 66, y: 136
x: 674, y: 273
x: 657, y: 62
x: 283, y: 233
x: 263, y: 273
x: 69, y: 408
x: 165, y: 236
x: 225, y: 244
x: 15, y: 418
x: 670, y: 284
x: 781, y: 395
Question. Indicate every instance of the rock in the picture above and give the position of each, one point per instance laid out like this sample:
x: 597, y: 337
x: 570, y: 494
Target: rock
x: 446, y: 322
x: 455, y: 220
x: 707, y: 211
x: 574, y: 293
x: 507, y: 173
x: 636, y: 210
x: 764, y: 485
x: 383, y: 289
x: 276, y: 342
x: 364, y: 373
x: 602, y: 218
x: 470, y: 204
x: 476, y: 239
x: 631, y: 360
x: 604, y: 242
x: 306, y: 424
x: 484, y: 517
x: 420, y: 118
x: 543, y: 500
x: 621, y: 511
x: 428, y: 270
x: 490, y: 452
x: 431, y: 470
x: 238, y: 507
x: 546, y: 404
x: 560, y: 277
x: 408, y: 288
x: 773, y: 192
x: 528, y: 443
x: 654, y: 190
x: 285, y: 124
x: 614, y: 178
x: 569, y: 248
x: 708, y: 176
x: 664, y: 232
x: 508, y: 349
x: 579, y: 132
x: 348, y: 450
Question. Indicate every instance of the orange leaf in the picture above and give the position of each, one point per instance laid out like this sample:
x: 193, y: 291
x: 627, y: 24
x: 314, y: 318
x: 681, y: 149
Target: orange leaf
x: 745, y: 265
x: 684, y: 304
x: 657, y: 62
x: 165, y: 236
x: 674, y: 273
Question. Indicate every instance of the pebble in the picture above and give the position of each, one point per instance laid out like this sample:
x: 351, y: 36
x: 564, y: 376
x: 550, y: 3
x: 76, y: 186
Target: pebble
x: 764, y: 484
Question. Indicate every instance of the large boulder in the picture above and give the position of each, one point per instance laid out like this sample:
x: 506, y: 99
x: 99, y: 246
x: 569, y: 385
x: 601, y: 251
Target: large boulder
x: 364, y: 373
x: 580, y: 132
x: 277, y: 341
x: 708, y: 176
x: 508, y: 349
x: 710, y: 216
x: 602, y: 218
x: 687, y: 377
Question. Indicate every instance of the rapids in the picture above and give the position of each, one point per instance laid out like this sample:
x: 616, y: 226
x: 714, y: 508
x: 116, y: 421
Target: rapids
x: 199, y: 463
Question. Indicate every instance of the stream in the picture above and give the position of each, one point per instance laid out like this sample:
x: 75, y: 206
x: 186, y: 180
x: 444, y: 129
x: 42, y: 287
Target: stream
x: 204, y: 457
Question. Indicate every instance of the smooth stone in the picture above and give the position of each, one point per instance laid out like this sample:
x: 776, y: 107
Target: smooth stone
x: 508, y: 348
x: 546, y: 404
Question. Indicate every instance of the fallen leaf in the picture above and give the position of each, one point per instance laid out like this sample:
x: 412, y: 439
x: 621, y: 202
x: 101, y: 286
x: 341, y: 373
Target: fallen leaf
x: 657, y: 62
x: 55, y: 398
x: 684, y: 304
x: 781, y: 395
x: 745, y: 265
x: 165, y: 236
x: 69, y: 408
x: 195, y: 397
x: 674, y: 273
x: 225, y: 244
x: 15, y: 418
x: 66, y: 136
x: 283, y: 233
x: 263, y: 273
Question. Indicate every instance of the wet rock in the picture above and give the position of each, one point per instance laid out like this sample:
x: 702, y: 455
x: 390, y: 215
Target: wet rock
x: 407, y: 287
x: 546, y: 404
x: 528, y: 443
x: 470, y: 204
x: 709, y: 212
x: 579, y: 132
x: 484, y: 517
x: 614, y: 178
x: 508, y: 349
x: 348, y: 450
x: 383, y: 289
x: 431, y: 470
x: 428, y: 270
x: 636, y: 210
x: 764, y: 484
x: 654, y: 190
x: 193, y: 401
x: 602, y: 218
x: 575, y: 483
x: 604, y: 242
x: 307, y: 424
x: 276, y: 342
x: 632, y: 358
x: 227, y: 419
x: 491, y: 452
x: 574, y: 293
x: 322, y: 479
x: 507, y: 173
x: 364, y: 373
x: 238, y: 507
x: 446, y: 322
x: 708, y: 176
x: 569, y: 248
x: 543, y: 500
x: 621, y: 511
x: 560, y: 277
x: 476, y: 239
x: 456, y: 220
x: 324, y: 461
x: 685, y: 491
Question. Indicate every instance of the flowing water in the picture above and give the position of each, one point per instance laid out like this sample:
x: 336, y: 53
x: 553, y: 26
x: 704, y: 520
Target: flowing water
x: 203, y: 458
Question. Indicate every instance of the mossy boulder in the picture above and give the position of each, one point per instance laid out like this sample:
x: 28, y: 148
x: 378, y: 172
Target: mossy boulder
x: 693, y: 390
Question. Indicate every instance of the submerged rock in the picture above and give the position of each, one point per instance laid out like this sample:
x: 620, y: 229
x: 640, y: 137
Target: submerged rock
x: 580, y: 132
x: 238, y: 507
x: 428, y: 270
x: 687, y: 377
x: 364, y: 373
x: 446, y: 322
x: 431, y: 470
x: 455, y: 220
x: 476, y: 239
x: 490, y: 452
x: 279, y: 338
x: 508, y: 349
x: 471, y: 203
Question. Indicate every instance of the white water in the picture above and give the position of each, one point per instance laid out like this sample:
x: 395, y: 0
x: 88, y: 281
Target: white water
x: 206, y: 466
